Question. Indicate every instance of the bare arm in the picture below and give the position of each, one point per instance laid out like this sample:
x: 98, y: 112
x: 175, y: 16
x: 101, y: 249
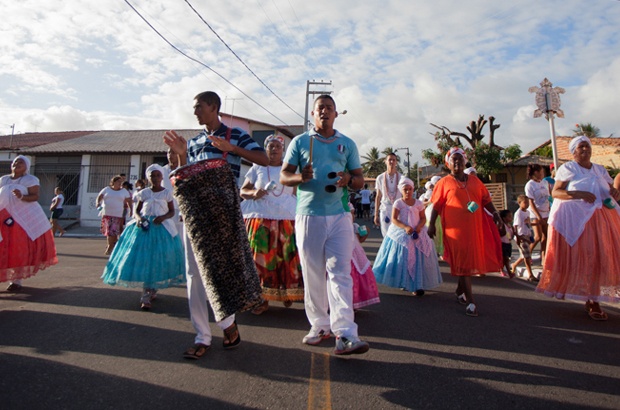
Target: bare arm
x: 377, y: 206
x: 31, y: 196
x: 248, y: 191
x: 158, y: 220
x: 289, y: 177
x: 560, y: 192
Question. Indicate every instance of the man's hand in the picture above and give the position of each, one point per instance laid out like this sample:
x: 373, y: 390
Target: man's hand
x: 221, y: 143
x: 177, y: 143
x: 307, y: 173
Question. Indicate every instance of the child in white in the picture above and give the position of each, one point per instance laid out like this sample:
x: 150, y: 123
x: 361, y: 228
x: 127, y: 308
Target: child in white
x: 523, y: 236
x: 407, y: 258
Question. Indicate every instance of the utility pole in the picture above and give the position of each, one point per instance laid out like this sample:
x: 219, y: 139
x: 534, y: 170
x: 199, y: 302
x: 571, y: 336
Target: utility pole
x: 313, y: 93
x: 408, y: 162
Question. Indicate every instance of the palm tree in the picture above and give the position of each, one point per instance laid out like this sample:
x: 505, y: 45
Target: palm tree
x: 373, y: 164
x: 589, y: 130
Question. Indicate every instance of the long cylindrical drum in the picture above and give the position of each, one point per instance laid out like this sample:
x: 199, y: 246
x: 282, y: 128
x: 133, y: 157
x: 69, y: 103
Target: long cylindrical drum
x: 208, y: 198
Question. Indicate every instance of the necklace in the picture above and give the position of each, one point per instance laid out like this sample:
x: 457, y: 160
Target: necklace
x: 460, y: 184
x: 274, y: 191
x: 391, y: 195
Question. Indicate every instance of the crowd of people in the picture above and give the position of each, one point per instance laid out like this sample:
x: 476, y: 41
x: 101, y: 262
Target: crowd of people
x: 288, y: 235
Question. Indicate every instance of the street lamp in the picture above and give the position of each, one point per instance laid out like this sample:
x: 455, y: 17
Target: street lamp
x: 548, y: 102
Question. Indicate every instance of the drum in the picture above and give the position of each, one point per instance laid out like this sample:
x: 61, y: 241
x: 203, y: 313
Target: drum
x: 209, y: 201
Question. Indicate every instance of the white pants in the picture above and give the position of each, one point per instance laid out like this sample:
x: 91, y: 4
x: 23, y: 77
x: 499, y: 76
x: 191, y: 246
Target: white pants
x: 197, y: 298
x: 385, y: 225
x: 325, y: 245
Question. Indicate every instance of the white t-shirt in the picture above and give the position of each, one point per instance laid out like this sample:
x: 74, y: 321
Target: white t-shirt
x: 60, y: 198
x: 521, y: 221
x: 539, y: 193
x: 365, y: 196
x: 114, y: 201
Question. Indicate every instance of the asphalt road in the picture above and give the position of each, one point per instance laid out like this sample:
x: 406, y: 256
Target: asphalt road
x: 71, y: 342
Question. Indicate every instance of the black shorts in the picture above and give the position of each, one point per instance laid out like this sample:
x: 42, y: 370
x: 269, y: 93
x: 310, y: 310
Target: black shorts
x: 56, y: 213
x: 366, y: 207
x: 506, y: 250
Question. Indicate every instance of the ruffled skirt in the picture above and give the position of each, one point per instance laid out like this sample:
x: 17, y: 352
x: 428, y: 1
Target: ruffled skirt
x: 365, y: 291
x: 20, y: 256
x: 391, y: 266
x: 276, y: 258
x: 150, y: 259
x: 590, y: 269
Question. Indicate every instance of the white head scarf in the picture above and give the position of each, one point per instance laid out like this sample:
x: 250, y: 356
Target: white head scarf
x: 470, y: 170
x: 405, y: 181
x: 428, y: 185
x: 154, y: 167
x: 435, y: 179
x: 452, y: 151
x: 26, y: 161
x: 575, y: 142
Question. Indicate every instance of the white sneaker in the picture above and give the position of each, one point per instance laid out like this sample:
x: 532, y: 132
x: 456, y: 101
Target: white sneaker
x: 316, y: 336
x: 351, y: 345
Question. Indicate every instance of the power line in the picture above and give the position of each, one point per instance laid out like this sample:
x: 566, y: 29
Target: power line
x: 239, y: 58
x: 200, y: 62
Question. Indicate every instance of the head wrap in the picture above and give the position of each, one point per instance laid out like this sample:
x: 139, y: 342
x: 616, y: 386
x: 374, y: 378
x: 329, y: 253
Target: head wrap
x: 154, y: 167
x: 26, y: 161
x: 575, y: 142
x: 405, y: 181
x: 435, y: 179
x: 428, y: 185
x: 452, y: 151
x: 274, y: 137
x: 470, y: 170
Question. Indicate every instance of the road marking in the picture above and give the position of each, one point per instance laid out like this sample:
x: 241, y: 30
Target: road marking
x: 319, y: 393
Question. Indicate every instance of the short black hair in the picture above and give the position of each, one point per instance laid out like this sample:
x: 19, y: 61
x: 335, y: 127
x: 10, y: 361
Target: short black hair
x: 210, y: 98
x: 324, y: 97
x: 503, y: 213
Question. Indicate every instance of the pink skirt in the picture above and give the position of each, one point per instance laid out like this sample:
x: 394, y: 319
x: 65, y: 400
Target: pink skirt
x: 111, y: 225
x: 365, y: 291
x: 590, y: 269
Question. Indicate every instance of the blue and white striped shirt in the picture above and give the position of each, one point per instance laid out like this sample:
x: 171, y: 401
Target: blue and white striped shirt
x: 200, y: 148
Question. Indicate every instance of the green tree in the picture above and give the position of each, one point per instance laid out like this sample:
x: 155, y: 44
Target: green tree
x: 588, y: 129
x: 373, y: 164
x: 546, y: 151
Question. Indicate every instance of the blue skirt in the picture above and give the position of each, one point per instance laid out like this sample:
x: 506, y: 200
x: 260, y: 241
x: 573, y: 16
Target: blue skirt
x: 150, y: 259
x: 391, y: 267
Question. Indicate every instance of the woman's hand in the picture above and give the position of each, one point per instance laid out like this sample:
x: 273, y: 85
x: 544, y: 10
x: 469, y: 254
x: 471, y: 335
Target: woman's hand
x: 17, y: 193
x: 431, y: 230
x: 158, y: 220
x: 259, y: 193
x: 409, y: 230
x: 615, y: 194
x: 585, y: 195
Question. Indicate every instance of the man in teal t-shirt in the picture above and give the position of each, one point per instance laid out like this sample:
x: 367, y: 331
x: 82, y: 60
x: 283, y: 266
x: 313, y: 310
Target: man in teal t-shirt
x: 328, y: 163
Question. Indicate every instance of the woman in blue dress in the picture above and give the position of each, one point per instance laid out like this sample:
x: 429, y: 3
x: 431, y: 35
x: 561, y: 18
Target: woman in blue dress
x: 149, y: 252
x: 407, y: 257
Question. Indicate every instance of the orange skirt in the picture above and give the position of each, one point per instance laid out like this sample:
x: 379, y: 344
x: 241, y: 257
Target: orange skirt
x: 590, y: 269
x: 21, y: 257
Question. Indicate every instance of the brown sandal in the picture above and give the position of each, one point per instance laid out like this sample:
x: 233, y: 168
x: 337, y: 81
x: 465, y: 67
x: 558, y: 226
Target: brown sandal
x: 229, y: 333
x: 598, y: 315
x: 196, y: 351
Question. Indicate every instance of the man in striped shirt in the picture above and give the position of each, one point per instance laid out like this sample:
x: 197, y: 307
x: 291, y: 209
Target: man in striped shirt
x: 211, y: 143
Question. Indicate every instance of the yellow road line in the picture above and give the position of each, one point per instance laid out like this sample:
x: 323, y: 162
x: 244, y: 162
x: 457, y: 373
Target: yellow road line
x: 319, y: 393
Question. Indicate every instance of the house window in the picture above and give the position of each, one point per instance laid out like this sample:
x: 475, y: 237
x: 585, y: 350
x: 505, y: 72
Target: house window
x: 261, y: 136
x: 104, y: 167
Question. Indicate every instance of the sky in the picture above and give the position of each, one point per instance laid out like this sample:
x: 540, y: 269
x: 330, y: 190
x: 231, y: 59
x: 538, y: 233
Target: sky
x: 394, y: 66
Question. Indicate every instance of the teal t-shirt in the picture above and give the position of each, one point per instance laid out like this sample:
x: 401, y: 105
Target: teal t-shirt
x: 339, y: 154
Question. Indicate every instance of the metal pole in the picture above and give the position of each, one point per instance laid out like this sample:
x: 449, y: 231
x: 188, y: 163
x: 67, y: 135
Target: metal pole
x: 554, y: 146
x: 306, y: 111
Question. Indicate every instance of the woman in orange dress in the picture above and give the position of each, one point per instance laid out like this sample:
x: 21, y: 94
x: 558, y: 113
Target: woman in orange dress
x: 26, y: 239
x: 471, y: 244
x: 583, y: 254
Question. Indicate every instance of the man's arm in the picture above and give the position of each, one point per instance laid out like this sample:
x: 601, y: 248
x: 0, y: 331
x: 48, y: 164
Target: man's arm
x: 289, y: 177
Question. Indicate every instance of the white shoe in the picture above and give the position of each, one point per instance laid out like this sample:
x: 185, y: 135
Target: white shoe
x: 316, y: 336
x: 350, y: 345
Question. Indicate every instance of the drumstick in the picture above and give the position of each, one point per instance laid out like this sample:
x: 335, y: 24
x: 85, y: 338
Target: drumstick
x: 311, y: 142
